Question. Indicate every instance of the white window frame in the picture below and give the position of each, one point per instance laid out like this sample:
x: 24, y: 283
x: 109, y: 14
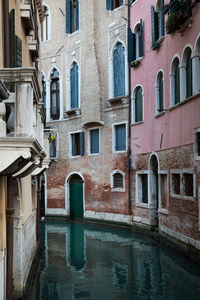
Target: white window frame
x: 113, y: 189
x: 157, y: 91
x: 113, y: 137
x: 161, y: 209
x: 196, y: 66
x: 89, y: 141
x: 138, y: 191
x: 183, y: 87
x: 70, y: 144
x: 54, y: 130
x: 182, y: 172
x: 133, y: 104
x: 49, y: 25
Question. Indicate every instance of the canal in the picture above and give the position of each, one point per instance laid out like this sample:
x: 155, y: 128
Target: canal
x: 80, y: 261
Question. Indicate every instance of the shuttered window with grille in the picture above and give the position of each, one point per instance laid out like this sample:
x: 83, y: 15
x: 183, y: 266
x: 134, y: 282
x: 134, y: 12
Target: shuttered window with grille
x: 72, y: 16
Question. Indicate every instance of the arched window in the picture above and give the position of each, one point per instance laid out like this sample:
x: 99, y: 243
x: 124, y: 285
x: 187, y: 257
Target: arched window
x: 46, y: 24
x: 175, y: 82
x: 189, y: 74
x: 44, y: 92
x: 138, y: 40
x: 160, y: 92
x: 138, y: 105
x: 196, y: 67
x: 119, y: 70
x: 74, y: 86
x: 55, y: 95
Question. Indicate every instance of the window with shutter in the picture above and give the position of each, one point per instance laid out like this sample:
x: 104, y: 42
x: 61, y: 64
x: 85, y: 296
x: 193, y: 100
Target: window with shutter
x: 55, y: 95
x: 74, y: 86
x: 177, y: 83
x: 157, y: 23
x: 77, y: 143
x: 119, y: 70
x: 142, y: 188
x: 159, y: 93
x: 112, y: 4
x: 44, y: 91
x: 138, y: 105
x: 94, y: 141
x: 72, y: 16
x: 15, y: 43
x: 120, y: 137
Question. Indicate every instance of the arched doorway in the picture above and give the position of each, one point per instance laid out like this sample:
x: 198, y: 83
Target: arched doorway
x: 76, y: 196
x: 154, y: 191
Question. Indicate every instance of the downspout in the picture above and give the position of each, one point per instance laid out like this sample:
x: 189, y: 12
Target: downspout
x: 129, y: 123
x: 9, y: 239
x: 6, y: 34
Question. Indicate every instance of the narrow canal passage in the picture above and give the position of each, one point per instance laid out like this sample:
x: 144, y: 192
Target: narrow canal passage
x: 89, y: 262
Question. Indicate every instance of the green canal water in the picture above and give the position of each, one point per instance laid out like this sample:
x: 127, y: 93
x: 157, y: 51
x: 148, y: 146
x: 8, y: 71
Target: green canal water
x: 80, y: 261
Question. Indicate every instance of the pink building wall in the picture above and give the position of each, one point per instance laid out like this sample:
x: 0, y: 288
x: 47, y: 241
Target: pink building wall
x: 176, y: 125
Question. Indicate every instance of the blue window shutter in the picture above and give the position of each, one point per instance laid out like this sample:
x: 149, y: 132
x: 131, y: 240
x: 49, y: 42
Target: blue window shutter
x: 160, y: 87
x: 94, y: 141
x: 189, y: 75
x: 154, y: 25
x: 141, y: 39
x: 177, y: 84
x: 131, y: 45
x: 73, y: 145
x: 68, y: 16
x: 109, y: 4
x: 82, y: 143
x: 77, y: 15
x: 119, y: 71
x: 162, y: 16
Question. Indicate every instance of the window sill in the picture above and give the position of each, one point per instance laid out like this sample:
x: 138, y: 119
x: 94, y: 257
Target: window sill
x: 163, y: 211
x: 138, y: 123
x: 117, y: 8
x: 93, y: 154
x: 158, y: 43
x: 160, y: 114
x: 122, y: 190
x: 119, y: 151
x: 181, y: 197
x: 122, y: 100
x: 75, y: 156
x: 136, y: 62
x: 75, y: 112
x: 73, y: 33
x: 142, y: 205
x: 191, y: 98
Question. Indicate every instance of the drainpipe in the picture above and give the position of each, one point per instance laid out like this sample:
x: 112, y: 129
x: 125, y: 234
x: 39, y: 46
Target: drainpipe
x: 129, y: 123
x: 9, y: 239
x: 6, y: 34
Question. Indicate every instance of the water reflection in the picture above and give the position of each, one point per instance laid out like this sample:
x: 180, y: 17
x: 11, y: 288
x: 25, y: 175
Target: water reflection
x: 93, y: 263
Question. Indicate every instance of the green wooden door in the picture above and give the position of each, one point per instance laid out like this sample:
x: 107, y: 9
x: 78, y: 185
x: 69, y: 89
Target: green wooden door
x: 76, y: 200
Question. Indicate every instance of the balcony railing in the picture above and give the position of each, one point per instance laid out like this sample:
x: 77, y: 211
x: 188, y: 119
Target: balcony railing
x: 27, y: 13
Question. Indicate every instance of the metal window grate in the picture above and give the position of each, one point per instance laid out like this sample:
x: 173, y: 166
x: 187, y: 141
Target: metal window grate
x: 118, y: 180
x: 176, y: 184
x: 188, y: 184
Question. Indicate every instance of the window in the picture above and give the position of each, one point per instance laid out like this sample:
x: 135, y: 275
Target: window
x: 94, y: 141
x: 120, y: 137
x: 163, y: 191
x: 175, y: 81
x: 77, y: 143
x: 160, y: 92
x: 118, y: 181
x: 44, y: 92
x: 197, y: 143
x: 138, y: 105
x: 183, y: 183
x: 157, y: 23
x: 176, y: 184
x: 46, y: 24
x: 189, y: 74
x: 74, y: 86
x: 196, y: 71
x: 188, y: 184
x: 119, y: 70
x: 72, y: 16
x: 142, y: 188
x: 112, y: 4
x: 55, y: 95
x: 53, y: 145
x: 135, y: 42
